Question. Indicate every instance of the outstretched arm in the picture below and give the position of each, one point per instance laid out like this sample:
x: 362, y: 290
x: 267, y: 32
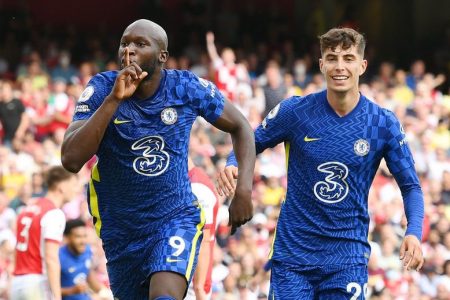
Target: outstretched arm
x: 232, y: 121
x: 211, y: 47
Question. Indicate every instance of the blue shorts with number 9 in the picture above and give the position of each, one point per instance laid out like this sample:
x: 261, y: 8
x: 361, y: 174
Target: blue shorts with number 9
x: 172, y: 246
x: 318, y: 282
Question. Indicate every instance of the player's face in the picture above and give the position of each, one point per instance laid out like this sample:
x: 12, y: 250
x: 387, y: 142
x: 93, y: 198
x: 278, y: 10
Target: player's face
x: 143, y: 50
x: 342, y: 68
x: 77, y: 239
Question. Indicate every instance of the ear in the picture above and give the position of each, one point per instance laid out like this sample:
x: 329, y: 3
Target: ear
x: 321, y: 65
x: 163, y: 56
x: 363, y: 67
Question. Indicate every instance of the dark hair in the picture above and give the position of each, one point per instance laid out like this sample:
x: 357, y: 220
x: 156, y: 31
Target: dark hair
x: 71, y: 224
x: 344, y: 37
x: 56, y: 175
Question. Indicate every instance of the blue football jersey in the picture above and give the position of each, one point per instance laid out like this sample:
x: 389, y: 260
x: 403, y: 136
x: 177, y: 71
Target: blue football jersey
x: 141, y: 174
x: 331, y: 163
x: 74, y: 270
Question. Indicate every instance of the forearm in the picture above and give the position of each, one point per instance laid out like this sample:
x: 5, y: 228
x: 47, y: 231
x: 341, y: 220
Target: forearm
x: 82, y: 143
x: 414, y: 211
x: 412, y: 200
x: 212, y: 51
x: 24, y: 123
x: 244, y: 150
x: 67, y: 291
x: 202, y: 269
x: 58, y: 116
x: 94, y: 284
x: 54, y: 279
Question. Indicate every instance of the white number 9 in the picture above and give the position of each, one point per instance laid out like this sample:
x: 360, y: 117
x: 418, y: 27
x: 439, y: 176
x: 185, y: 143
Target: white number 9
x: 178, y: 244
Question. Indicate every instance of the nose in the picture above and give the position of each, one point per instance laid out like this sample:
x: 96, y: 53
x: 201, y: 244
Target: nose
x: 340, y: 64
x: 131, y: 49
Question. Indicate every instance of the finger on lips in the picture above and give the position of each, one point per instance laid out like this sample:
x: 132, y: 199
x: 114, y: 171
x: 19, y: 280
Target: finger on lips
x: 127, y: 56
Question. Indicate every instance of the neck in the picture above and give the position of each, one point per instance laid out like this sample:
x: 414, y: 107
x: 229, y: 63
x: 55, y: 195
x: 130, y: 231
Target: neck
x: 55, y: 198
x: 343, y: 102
x: 148, y: 87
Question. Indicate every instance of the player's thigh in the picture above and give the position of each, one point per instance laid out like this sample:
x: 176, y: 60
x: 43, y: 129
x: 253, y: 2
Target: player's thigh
x: 126, y: 276
x: 345, y: 282
x: 30, y: 287
x: 176, y: 247
x: 167, y: 284
x: 288, y: 284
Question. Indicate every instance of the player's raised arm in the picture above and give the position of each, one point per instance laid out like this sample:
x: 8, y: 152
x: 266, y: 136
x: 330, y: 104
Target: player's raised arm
x: 83, y: 137
x: 232, y: 121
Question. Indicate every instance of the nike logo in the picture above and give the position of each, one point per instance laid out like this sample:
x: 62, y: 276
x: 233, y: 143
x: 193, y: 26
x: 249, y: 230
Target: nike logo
x: 171, y: 260
x: 308, y: 139
x: 118, y: 122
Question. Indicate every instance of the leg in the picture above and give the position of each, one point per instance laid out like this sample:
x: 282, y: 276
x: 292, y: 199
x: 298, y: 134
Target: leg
x: 125, y: 272
x: 288, y: 284
x: 173, y: 258
x: 344, y: 282
x: 167, y: 284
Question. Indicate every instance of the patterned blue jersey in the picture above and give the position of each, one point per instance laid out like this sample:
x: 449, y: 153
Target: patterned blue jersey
x: 141, y: 175
x: 331, y: 163
x: 74, y: 270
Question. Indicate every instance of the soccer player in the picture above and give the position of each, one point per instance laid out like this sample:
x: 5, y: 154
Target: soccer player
x: 76, y: 264
x: 203, y: 188
x: 138, y: 121
x: 40, y: 229
x: 335, y: 140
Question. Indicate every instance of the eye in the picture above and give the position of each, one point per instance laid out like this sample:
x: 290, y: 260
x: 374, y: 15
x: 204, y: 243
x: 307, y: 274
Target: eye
x: 141, y: 44
x: 123, y: 44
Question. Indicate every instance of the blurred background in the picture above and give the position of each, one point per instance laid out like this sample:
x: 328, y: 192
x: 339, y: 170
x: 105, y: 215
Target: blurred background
x: 258, y: 52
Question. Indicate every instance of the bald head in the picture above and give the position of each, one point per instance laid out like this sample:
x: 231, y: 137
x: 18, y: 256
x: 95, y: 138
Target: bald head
x: 155, y: 32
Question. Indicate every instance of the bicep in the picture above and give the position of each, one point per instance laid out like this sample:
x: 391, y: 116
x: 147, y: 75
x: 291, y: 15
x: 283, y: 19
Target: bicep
x: 51, y: 249
x: 231, y: 118
x: 74, y: 126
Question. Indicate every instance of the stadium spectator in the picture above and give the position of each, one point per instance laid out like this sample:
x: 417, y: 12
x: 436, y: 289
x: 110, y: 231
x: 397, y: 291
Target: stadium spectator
x: 77, y: 276
x: 40, y: 229
x: 203, y: 189
x: 12, y: 114
x: 228, y: 73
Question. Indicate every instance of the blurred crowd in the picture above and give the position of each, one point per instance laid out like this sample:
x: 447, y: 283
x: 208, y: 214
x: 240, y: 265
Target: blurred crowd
x: 37, y: 101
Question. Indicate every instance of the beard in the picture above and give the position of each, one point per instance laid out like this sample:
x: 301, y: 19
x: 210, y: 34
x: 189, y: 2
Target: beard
x: 150, y: 68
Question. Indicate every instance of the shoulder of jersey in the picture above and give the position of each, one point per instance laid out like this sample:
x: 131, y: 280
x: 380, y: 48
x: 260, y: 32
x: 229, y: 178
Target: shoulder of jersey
x: 181, y: 74
x: 108, y: 76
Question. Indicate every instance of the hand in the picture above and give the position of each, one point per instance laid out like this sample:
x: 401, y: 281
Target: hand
x: 128, y: 78
x: 80, y: 288
x: 209, y: 37
x: 226, y: 181
x: 411, y: 253
x: 240, y: 210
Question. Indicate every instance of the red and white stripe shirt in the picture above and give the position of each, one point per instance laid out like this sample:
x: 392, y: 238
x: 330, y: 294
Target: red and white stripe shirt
x: 37, y: 223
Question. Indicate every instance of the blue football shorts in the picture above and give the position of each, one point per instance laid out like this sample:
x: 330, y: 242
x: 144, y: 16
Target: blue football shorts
x: 346, y: 281
x: 173, y: 246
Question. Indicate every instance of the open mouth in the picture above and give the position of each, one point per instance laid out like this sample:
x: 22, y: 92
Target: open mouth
x: 339, y: 77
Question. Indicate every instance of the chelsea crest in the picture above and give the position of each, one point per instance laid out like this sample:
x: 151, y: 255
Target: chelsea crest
x: 361, y: 147
x: 169, y: 116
